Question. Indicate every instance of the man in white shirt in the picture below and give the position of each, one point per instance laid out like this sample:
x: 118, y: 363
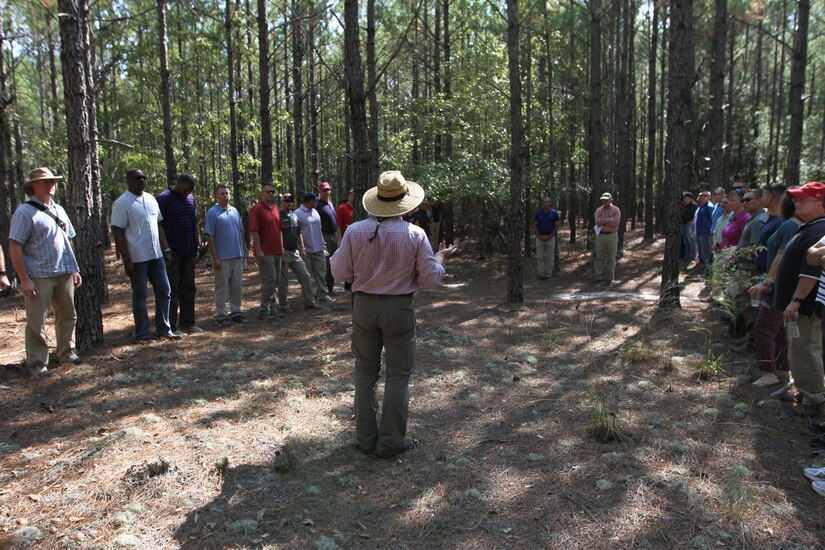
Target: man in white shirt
x: 141, y: 242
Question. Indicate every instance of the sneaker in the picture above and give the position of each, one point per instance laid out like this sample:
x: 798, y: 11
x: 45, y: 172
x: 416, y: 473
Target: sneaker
x: 814, y: 474
x: 190, y: 329
x: 239, y: 318
x: 767, y: 379
x: 818, y: 487
x: 171, y: 335
x: 179, y: 333
x: 326, y: 299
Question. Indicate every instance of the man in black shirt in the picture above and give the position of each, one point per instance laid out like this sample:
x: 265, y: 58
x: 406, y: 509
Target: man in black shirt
x: 795, y: 292
x: 293, y: 257
x: 689, y: 207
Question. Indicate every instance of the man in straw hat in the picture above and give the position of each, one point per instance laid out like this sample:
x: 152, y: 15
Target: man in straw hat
x: 386, y: 259
x: 41, y: 251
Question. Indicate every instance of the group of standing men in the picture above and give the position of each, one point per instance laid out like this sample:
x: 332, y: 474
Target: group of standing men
x: 158, y: 242
x: 607, y: 220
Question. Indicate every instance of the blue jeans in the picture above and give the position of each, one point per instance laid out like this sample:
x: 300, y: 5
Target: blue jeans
x: 153, y: 271
x: 688, y: 243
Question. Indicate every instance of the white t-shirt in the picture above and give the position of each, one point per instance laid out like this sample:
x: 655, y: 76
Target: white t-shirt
x: 138, y: 216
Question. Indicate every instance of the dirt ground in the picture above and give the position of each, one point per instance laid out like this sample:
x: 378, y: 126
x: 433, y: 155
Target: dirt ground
x: 242, y: 437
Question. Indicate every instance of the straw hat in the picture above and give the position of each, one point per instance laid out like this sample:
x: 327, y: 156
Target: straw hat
x: 38, y: 174
x: 393, y: 195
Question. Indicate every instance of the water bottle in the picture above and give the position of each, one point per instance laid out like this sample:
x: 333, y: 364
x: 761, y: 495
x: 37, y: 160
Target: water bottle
x: 791, y: 329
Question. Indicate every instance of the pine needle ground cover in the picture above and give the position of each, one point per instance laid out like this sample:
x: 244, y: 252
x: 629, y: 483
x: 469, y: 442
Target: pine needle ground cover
x: 574, y: 421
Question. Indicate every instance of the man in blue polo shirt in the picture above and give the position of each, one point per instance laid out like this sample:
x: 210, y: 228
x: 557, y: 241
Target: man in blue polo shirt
x: 703, y: 221
x: 180, y: 223
x: 546, y: 228
x: 224, y: 232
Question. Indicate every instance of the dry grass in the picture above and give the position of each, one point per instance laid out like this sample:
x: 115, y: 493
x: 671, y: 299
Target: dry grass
x: 242, y: 438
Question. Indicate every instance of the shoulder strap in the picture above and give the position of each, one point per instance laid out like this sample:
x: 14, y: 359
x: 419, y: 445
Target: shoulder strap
x: 60, y: 223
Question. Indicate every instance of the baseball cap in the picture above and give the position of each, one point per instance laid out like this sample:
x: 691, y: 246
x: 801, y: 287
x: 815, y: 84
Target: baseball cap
x: 324, y: 186
x: 309, y: 196
x: 811, y: 190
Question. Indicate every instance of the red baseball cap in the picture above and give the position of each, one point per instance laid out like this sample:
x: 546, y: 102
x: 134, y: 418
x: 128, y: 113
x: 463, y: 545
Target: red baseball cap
x: 324, y: 186
x: 811, y: 190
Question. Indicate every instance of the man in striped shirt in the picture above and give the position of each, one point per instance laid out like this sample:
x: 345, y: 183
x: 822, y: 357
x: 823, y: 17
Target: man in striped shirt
x: 180, y: 224
x: 386, y: 259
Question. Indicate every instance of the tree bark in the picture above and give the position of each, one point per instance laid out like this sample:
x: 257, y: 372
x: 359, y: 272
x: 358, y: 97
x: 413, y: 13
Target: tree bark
x: 651, y: 122
x: 679, y: 172
x: 263, y: 91
x: 357, y: 103
x: 298, y: 96
x: 372, y: 94
x: 7, y: 191
x: 515, y: 289
x: 716, y: 93
x: 165, y: 101
x: 237, y: 197
x: 83, y: 189
x: 795, y: 104
x: 595, y: 132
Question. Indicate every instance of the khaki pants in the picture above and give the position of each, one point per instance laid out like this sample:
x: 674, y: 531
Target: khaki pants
x: 388, y: 323
x: 604, y: 266
x: 805, y: 358
x: 545, y: 251
x: 292, y: 259
x: 270, y: 270
x: 317, y: 265
x: 229, y: 282
x: 59, y: 293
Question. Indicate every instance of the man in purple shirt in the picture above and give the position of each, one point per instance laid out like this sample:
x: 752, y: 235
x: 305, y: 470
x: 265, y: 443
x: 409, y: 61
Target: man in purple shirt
x: 180, y: 223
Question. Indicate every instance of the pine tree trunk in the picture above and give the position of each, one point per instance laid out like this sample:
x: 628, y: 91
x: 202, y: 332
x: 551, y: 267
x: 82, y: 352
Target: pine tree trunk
x: 595, y: 129
x: 716, y: 92
x: 263, y: 91
x: 372, y: 95
x: 83, y: 205
x: 651, y: 123
x: 165, y: 101
x: 6, y: 186
x: 298, y: 96
x: 357, y: 103
x: 447, y: 136
x: 795, y: 105
x: 515, y: 288
x: 679, y: 171
x: 233, y: 119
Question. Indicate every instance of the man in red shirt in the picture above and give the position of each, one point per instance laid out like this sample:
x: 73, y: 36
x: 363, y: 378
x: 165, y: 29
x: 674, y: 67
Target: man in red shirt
x: 344, y: 219
x: 268, y: 246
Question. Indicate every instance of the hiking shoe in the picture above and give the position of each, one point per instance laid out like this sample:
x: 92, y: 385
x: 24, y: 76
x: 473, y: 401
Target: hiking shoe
x: 407, y: 444
x: 817, y: 427
x: 223, y: 321
x: 239, y: 318
x: 814, y: 474
x: 767, y: 379
x: 818, y: 487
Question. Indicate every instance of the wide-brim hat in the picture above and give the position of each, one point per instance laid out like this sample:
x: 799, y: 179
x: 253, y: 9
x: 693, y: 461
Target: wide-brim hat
x: 393, y: 195
x: 38, y: 174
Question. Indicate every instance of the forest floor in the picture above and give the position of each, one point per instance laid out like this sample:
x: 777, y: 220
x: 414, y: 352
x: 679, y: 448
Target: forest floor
x: 243, y: 437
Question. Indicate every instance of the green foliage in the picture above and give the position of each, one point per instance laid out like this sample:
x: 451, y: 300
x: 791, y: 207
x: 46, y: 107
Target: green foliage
x: 605, y: 425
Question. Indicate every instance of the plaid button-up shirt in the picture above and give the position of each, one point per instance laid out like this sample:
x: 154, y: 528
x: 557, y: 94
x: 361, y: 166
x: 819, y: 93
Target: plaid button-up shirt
x: 398, y: 261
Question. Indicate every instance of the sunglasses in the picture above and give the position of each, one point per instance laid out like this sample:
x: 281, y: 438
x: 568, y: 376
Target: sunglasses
x: 748, y: 199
